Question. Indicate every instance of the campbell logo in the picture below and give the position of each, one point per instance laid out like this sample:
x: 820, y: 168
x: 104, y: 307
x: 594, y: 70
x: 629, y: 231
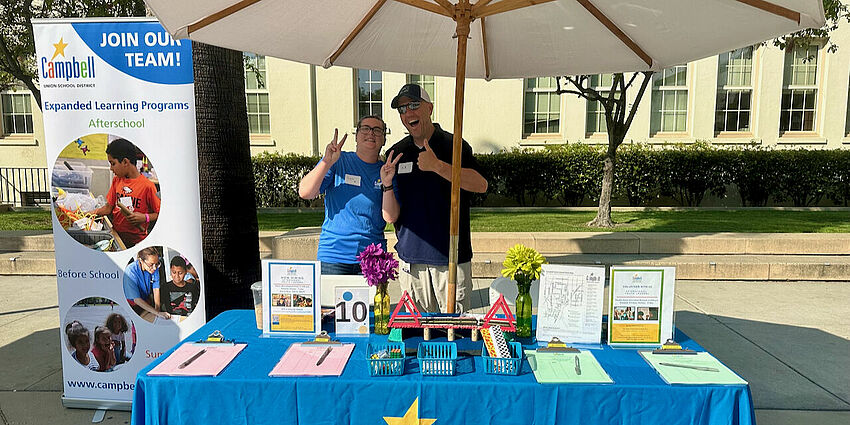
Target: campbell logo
x: 66, y: 67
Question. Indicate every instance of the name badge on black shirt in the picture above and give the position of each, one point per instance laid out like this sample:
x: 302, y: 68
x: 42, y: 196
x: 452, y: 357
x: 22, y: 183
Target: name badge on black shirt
x: 405, y: 167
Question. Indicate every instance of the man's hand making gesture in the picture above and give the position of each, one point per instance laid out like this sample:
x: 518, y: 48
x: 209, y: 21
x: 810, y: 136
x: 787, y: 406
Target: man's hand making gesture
x: 428, y: 160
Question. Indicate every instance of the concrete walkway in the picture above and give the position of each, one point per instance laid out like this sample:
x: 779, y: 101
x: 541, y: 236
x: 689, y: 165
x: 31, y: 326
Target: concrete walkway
x: 790, y: 340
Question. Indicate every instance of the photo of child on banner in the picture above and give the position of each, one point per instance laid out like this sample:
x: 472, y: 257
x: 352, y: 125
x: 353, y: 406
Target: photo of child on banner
x: 99, y: 335
x: 157, y: 291
x: 105, y: 192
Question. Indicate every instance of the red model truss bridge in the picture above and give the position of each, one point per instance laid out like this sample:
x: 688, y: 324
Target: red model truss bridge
x: 499, y: 314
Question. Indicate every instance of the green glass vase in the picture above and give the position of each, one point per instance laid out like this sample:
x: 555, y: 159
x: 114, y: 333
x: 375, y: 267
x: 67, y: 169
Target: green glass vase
x: 523, y: 308
x: 382, y: 310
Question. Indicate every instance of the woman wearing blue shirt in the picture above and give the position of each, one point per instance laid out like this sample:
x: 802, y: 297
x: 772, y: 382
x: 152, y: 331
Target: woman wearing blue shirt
x: 351, y: 182
x: 141, y: 285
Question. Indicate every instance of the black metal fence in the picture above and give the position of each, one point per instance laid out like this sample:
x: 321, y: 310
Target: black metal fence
x: 24, y: 186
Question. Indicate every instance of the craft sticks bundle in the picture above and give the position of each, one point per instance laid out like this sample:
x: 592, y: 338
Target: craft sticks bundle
x: 494, y: 340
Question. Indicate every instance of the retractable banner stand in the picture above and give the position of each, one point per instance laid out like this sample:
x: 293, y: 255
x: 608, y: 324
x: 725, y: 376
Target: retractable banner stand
x: 119, y: 124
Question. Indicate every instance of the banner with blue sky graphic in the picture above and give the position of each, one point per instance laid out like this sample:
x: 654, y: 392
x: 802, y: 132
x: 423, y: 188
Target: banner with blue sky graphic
x: 119, y: 123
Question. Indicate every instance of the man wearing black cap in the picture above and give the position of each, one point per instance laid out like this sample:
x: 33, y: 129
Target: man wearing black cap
x: 420, y: 166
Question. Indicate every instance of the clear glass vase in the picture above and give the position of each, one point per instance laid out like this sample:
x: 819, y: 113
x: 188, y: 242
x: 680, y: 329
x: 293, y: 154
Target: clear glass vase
x: 382, y: 310
x: 523, y: 309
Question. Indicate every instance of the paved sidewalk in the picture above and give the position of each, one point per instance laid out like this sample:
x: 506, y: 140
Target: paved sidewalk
x: 790, y: 340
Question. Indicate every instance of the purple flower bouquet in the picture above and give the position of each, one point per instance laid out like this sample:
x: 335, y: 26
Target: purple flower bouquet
x: 377, y: 265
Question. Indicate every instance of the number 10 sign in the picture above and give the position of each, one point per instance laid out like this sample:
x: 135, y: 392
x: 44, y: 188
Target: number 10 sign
x: 352, y: 311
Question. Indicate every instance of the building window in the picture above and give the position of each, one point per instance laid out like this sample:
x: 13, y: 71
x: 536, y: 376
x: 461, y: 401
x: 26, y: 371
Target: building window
x: 670, y: 100
x: 799, y: 90
x: 16, y: 109
x: 595, y: 122
x: 257, y: 94
x: 369, y: 93
x: 426, y: 81
x: 734, y: 91
x: 542, y: 106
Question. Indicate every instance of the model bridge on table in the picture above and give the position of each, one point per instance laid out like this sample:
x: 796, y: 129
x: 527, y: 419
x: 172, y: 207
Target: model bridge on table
x: 498, y: 315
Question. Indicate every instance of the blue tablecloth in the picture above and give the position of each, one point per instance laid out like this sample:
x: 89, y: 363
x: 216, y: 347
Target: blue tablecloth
x: 244, y: 393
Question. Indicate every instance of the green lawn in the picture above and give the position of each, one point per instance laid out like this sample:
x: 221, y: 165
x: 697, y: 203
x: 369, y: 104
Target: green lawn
x: 289, y: 221
x: 745, y: 221
x: 25, y: 220
x: 767, y: 221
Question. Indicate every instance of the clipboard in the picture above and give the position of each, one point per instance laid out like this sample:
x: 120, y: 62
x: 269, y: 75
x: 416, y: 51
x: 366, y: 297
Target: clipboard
x: 320, y: 357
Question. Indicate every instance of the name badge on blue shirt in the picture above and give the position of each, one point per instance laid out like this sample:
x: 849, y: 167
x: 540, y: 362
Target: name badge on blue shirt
x: 352, y: 180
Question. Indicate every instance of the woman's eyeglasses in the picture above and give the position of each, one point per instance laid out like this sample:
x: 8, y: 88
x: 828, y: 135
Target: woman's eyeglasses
x: 377, y: 131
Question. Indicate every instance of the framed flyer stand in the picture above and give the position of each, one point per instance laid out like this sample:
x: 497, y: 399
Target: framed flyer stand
x: 291, y: 298
x: 570, y: 304
x: 640, y: 309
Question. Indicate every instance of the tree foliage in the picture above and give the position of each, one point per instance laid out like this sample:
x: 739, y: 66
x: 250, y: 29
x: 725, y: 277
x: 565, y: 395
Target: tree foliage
x: 17, y: 45
x: 835, y: 12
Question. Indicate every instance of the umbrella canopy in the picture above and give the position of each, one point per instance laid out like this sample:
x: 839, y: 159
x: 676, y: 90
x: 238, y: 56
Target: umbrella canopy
x: 509, y: 38
x: 500, y: 38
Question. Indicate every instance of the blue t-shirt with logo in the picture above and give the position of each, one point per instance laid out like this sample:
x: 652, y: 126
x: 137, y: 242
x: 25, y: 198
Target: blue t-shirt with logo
x: 353, y: 217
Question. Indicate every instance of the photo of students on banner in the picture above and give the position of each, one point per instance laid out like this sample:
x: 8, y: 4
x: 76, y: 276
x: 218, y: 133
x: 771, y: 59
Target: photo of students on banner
x: 161, y: 285
x: 105, y: 192
x: 99, y: 334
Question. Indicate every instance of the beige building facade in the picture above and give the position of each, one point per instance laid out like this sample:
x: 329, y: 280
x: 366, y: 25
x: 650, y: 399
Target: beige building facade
x: 760, y: 95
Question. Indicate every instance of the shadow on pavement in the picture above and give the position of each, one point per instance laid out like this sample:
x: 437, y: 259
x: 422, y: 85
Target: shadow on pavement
x: 788, y: 367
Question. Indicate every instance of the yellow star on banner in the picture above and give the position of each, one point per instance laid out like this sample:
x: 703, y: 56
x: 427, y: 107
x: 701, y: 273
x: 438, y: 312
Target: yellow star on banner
x: 60, y: 48
x: 411, y: 417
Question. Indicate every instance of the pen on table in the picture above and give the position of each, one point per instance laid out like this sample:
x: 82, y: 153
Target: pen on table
x: 324, y: 356
x: 191, y: 359
x: 702, y: 368
x: 578, y: 366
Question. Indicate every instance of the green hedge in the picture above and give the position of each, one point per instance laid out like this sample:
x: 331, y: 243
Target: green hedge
x: 689, y: 172
x: 571, y: 175
x: 276, y: 178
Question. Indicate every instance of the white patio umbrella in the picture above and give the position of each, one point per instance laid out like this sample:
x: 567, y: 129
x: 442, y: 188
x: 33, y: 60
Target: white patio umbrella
x: 501, y: 38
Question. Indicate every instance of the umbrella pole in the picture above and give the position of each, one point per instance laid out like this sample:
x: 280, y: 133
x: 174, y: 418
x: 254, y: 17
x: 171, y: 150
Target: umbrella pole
x: 463, y: 12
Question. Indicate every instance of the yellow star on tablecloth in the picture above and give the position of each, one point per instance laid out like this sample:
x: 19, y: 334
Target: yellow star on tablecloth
x: 60, y: 48
x: 411, y: 417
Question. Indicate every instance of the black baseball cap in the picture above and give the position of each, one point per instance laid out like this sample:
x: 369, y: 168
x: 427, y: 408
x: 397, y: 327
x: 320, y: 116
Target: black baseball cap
x: 411, y: 91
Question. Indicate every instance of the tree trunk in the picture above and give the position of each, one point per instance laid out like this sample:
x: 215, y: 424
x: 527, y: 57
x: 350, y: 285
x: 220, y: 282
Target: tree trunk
x: 603, y: 212
x: 228, y: 208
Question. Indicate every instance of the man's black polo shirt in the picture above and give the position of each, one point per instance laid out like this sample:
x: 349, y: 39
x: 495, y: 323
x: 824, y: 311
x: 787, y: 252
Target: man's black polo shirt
x: 425, y: 199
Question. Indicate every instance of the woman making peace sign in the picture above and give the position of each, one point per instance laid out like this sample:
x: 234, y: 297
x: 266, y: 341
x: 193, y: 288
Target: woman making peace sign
x: 353, y: 187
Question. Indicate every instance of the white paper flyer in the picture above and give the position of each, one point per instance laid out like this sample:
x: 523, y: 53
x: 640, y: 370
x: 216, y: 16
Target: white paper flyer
x: 570, y: 306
